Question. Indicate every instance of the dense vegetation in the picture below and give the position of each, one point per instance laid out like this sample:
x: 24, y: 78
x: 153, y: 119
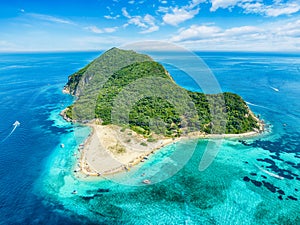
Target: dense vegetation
x: 126, y: 88
x: 121, y: 79
x: 87, y: 82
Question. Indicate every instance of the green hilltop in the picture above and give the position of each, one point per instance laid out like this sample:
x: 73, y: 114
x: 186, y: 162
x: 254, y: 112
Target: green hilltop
x: 129, y: 89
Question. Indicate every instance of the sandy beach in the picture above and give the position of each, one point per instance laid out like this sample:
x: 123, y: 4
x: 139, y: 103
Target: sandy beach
x: 112, y: 149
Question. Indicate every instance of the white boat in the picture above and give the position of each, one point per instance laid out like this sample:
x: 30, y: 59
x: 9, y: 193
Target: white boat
x: 275, y: 89
x: 146, y: 181
x: 17, y: 123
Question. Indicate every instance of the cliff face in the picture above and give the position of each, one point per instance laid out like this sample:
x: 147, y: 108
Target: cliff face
x: 126, y: 88
x: 73, y: 81
x: 96, y: 73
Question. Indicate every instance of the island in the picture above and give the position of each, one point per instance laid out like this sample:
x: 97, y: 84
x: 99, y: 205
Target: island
x: 134, y: 107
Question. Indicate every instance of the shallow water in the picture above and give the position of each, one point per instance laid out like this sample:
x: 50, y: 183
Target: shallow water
x: 37, y: 176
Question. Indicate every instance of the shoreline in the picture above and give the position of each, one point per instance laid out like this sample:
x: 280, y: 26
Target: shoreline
x: 111, y: 149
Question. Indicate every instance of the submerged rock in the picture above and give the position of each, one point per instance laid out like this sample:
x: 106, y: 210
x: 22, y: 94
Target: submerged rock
x: 247, y: 179
x: 292, y: 198
x: 269, y: 186
x: 256, y: 183
x: 103, y: 190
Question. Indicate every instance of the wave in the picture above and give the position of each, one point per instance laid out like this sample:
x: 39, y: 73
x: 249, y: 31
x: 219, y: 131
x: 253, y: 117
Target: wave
x: 16, y: 82
x: 14, y: 67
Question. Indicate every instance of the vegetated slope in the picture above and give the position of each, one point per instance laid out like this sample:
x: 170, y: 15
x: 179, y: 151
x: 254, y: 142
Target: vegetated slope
x: 96, y: 72
x: 86, y: 83
x: 144, y: 97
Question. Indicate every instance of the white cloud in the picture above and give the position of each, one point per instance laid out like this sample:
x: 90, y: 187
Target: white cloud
x: 163, y: 9
x: 276, y: 36
x: 6, y: 45
x: 138, y: 21
x: 109, y: 17
x: 199, y: 32
x: 110, y: 29
x: 147, y: 23
x: 225, y: 3
x: 281, y: 9
x: 176, y: 15
x: 255, y: 7
x: 49, y: 18
x: 150, y: 30
x: 179, y: 15
x: 196, y: 32
x: 277, y: 8
x: 97, y: 30
x: 150, y: 21
x: 242, y: 30
x: 290, y: 29
x: 125, y: 13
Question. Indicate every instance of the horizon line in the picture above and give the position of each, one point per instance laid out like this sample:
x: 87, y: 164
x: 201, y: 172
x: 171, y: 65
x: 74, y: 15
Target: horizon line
x: 148, y: 50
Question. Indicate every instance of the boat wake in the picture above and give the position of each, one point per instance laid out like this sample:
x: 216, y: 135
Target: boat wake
x: 16, y: 124
x: 260, y: 106
x: 275, y: 111
x: 269, y: 173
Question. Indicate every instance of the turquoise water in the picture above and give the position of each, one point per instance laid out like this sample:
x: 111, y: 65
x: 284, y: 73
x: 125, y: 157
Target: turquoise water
x: 37, y: 174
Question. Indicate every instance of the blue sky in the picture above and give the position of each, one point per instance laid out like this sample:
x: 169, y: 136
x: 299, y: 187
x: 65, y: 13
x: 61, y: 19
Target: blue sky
x: 230, y: 25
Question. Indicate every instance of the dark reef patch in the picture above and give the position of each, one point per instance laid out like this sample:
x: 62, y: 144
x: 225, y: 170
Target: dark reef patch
x: 276, y: 157
x: 269, y: 186
x: 87, y: 198
x: 288, y: 174
x: 292, y: 198
x: 101, y: 190
x: 256, y: 183
x: 286, y: 143
x: 247, y: 179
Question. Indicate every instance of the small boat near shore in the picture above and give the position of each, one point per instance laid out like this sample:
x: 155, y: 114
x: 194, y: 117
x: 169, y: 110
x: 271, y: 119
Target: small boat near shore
x: 147, y: 181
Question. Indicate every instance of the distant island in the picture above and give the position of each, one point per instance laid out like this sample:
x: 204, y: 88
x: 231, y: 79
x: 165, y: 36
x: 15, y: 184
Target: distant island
x: 135, y: 107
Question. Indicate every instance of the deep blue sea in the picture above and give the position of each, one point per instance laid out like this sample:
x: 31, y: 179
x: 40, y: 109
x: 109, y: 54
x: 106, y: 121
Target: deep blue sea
x: 36, y: 174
